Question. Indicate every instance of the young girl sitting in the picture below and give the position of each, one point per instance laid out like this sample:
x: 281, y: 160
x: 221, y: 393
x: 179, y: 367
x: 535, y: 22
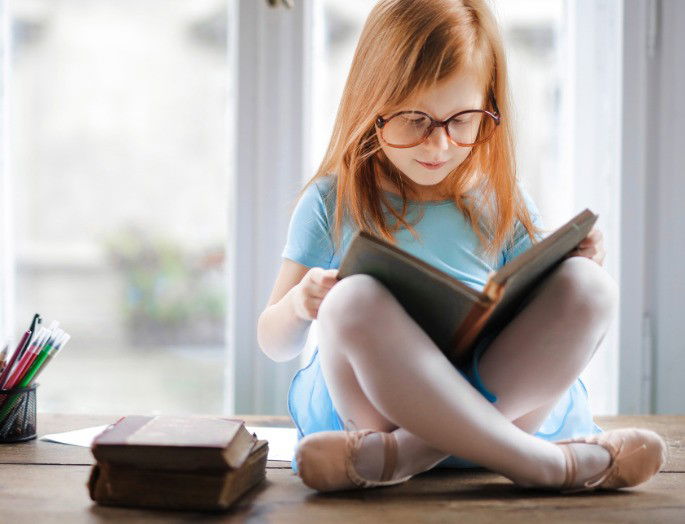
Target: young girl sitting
x: 422, y: 155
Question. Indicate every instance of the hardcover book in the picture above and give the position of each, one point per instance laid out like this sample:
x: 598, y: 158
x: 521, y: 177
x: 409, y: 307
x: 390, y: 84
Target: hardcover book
x: 213, y: 490
x: 175, y: 443
x: 454, y: 315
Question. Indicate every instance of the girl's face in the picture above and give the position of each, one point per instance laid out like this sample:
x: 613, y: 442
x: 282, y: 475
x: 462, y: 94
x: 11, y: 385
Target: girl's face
x: 429, y: 163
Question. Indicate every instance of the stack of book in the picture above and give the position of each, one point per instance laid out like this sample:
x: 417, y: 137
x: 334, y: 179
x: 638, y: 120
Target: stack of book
x: 193, y: 463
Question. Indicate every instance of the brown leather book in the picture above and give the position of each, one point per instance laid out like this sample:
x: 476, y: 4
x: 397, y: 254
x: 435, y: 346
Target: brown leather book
x: 175, y: 443
x: 117, y: 485
x: 454, y: 315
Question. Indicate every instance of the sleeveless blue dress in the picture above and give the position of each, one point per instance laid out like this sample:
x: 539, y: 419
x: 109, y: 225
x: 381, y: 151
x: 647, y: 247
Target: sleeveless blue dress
x: 446, y: 241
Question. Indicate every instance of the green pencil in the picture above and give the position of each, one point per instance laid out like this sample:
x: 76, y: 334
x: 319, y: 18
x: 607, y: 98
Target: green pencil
x: 50, y: 356
x: 33, y: 370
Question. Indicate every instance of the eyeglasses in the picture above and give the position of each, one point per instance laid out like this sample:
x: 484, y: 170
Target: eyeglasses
x: 466, y: 128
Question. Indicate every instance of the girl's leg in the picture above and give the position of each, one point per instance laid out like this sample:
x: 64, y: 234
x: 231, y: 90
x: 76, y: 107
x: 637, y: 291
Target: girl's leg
x: 383, y: 371
x: 551, y: 340
x: 579, y: 299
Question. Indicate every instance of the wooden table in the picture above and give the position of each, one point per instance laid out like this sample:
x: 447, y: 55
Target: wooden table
x: 46, y: 482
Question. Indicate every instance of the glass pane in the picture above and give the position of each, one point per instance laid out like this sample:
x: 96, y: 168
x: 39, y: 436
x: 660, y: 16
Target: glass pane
x: 336, y: 29
x: 119, y: 166
x: 530, y: 29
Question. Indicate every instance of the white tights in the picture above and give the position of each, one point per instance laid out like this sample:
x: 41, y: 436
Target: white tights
x: 384, y: 373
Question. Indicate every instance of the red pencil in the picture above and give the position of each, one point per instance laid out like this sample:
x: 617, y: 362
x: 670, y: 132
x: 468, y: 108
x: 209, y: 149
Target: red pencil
x: 28, y: 357
x: 8, y: 367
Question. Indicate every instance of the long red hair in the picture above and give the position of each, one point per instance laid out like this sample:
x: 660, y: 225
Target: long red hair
x: 406, y: 46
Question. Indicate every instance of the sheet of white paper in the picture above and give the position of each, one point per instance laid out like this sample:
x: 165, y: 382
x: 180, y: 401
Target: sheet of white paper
x: 282, y: 441
x: 79, y: 437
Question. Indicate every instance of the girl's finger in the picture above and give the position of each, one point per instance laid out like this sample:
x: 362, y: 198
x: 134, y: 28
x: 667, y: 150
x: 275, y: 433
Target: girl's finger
x: 326, y: 278
x: 312, y: 303
x: 314, y: 308
x: 318, y: 291
x: 593, y: 237
x: 587, y: 253
x: 588, y: 242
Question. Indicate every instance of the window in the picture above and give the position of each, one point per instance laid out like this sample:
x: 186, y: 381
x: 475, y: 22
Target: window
x: 123, y: 174
x: 118, y: 141
x: 562, y: 74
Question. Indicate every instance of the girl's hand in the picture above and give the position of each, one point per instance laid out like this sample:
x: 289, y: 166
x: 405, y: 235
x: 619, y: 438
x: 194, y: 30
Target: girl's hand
x: 309, y: 293
x: 591, y: 247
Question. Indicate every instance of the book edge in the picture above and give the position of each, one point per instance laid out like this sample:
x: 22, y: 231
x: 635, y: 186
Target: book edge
x: 500, y: 277
x: 414, y: 261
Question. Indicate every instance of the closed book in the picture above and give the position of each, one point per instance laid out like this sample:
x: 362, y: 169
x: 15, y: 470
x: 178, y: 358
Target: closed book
x: 125, y: 485
x: 454, y: 315
x: 175, y: 442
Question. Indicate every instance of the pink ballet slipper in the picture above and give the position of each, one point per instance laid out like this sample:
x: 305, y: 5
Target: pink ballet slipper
x: 325, y: 460
x: 636, y: 456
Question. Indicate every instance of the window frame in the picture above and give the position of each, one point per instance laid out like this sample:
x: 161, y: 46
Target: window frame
x: 7, y: 256
x: 271, y: 59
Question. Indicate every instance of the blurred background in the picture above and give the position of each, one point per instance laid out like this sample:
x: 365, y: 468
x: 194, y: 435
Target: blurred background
x: 152, y: 151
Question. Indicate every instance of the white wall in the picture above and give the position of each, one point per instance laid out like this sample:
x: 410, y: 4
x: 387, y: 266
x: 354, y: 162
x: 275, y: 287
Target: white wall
x: 652, y: 360
x: 666, y: 270
x: 6, y: 207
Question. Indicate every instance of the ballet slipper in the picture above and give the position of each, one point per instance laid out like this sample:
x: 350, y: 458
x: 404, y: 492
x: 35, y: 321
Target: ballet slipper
x: 636, y: 456
x: 325, y: 460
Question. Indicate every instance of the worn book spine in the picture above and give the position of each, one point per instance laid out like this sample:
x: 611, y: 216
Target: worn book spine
x: 473, y: 324
x: 176, y: 443
x: 111, y: 484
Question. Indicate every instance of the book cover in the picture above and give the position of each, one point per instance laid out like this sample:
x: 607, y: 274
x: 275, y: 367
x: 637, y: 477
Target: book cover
x: 125, y: 485
x: 454, y: 315
x: 175, y: 442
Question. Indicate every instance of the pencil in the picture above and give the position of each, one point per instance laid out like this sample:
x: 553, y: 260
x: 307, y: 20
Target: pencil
x: 25, y: 339
x: 58, y: 346
x: 32, y: 328
x: 28, y: 356
x: 3, y: 357
x: 38, y: 359
x: 28, y: 377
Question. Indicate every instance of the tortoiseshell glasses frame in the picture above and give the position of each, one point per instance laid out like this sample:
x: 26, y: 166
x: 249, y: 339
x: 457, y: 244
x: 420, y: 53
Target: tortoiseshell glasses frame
x: 381, y: 122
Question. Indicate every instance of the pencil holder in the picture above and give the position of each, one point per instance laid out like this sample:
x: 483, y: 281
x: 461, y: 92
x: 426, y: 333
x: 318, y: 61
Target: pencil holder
x: 18, y: 414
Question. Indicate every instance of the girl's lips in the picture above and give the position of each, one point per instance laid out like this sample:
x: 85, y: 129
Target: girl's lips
x: 432, y: 166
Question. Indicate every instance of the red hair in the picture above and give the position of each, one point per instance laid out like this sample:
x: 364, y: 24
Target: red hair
x: 405, y: 47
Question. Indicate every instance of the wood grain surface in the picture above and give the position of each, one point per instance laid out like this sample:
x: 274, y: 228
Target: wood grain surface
x: 46, y: 482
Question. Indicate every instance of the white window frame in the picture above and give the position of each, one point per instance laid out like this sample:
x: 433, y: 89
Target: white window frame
x: 653, y: 219
x: 591, y: 153
x: 270, y: 157
x: 667, y: 38
x: 636, y: 349
x: 7, y: 271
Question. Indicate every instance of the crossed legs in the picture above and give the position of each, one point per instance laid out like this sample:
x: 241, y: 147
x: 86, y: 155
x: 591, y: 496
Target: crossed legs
x: 385, y: 373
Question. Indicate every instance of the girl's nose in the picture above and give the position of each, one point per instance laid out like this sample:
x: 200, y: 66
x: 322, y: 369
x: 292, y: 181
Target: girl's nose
x: 438, y: 139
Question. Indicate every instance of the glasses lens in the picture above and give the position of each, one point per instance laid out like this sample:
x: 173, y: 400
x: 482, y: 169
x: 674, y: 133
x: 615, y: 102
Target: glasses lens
x: 406, y: 129
x: 470, y: 128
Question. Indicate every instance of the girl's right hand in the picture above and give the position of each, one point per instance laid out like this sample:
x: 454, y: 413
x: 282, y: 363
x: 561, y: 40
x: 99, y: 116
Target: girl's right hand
x: 308, y: 294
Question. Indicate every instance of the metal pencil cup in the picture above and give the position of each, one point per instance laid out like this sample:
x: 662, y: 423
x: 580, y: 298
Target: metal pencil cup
x: 18, y: 414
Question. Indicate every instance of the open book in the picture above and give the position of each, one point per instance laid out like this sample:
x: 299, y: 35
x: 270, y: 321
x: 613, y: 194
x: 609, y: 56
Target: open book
x: 454, y: 315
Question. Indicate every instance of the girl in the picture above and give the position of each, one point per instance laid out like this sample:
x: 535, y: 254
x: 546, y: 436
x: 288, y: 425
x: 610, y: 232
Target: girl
x: 422, y: 155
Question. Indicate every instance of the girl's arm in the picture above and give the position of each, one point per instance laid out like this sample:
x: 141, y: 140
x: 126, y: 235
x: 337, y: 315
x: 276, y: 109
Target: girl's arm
x: 283, y: 325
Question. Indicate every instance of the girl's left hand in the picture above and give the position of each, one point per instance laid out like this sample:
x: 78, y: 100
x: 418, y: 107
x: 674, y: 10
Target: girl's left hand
x: 591, y: 247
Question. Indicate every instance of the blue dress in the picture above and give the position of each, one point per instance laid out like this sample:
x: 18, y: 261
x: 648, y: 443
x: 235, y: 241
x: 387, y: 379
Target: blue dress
x: 446, y: 241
